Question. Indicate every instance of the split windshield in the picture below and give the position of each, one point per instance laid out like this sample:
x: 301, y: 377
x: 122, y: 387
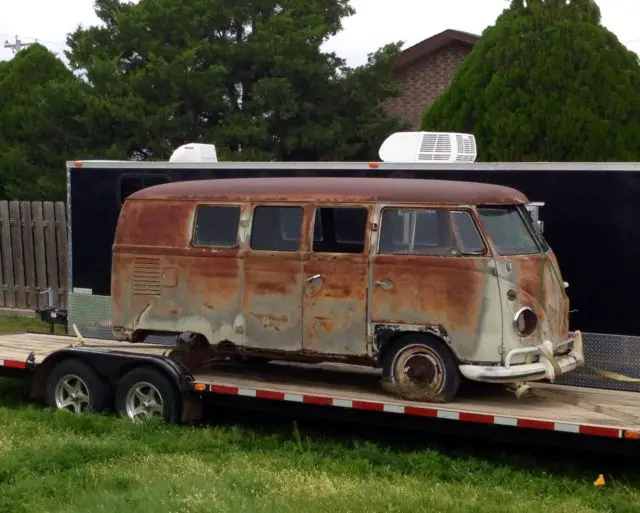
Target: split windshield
x: 511, y: 230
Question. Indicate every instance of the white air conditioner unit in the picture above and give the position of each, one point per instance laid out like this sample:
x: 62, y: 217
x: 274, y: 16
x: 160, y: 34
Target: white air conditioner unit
x: 429, y: 147
x: 194, y: 152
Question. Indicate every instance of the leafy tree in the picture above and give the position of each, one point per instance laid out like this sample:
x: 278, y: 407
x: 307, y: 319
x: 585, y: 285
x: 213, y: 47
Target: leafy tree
x: 546, y: 82
x: 43, y: 109
x: 249, y: 76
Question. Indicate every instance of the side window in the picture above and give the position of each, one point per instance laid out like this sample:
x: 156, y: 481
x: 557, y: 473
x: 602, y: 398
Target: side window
x: 216, y: 225
x: 467, y: 233
x: 339, y: 230
x: 276, y: 228
x: 416, y: 231
x: 129, y: 183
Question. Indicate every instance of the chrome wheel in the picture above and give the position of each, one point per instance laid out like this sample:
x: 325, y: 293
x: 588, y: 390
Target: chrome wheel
x: 72, y: 394
x: 143, y: 401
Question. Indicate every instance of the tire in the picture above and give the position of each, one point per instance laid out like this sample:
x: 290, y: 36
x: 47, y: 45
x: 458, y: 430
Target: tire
x: 144, y: 393
x: 405, y: 372
x: 75, y: 383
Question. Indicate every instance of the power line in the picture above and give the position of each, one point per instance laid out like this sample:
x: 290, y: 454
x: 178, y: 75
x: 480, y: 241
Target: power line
x: 17, y: 45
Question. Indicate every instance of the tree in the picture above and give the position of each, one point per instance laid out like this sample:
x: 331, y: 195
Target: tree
x: 43, y: 121
x: 546, y: 82
x: 249, y: 76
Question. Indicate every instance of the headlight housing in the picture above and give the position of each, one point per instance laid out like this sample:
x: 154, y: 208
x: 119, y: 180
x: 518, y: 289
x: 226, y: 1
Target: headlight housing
x: 525, y: 321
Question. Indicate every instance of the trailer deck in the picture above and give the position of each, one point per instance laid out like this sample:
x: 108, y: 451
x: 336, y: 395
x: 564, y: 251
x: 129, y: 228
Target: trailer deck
x: 594, y: 412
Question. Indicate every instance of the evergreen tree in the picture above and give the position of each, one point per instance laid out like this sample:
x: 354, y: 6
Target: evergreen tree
x: 547, y: 82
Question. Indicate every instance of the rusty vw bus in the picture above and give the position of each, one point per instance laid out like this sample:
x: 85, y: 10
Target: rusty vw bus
x: 431, y: 281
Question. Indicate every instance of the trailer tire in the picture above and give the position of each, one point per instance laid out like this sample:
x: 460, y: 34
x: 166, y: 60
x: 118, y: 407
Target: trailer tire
x: 436, y: 377
x: 145, y: 392
x: 76, y: 383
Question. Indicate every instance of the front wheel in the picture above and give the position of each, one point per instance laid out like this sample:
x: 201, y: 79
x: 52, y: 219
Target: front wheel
x: 421, y: 369
x: 145, y: 393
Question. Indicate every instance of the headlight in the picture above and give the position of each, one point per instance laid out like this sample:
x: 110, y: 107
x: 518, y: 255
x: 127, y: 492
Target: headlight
x: 525, y: 321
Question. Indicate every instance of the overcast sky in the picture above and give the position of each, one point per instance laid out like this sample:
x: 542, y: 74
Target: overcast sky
x: 375, y: 23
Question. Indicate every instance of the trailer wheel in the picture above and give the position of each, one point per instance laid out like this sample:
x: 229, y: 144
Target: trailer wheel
x: 74, y: 386
x: 145, y: 393
x: 421, y: 368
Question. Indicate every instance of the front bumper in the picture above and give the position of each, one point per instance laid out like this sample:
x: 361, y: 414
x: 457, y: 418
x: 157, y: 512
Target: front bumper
x: 549, y: 366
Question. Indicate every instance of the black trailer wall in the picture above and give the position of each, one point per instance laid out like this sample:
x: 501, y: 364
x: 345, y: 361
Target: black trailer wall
x: 590, y: 221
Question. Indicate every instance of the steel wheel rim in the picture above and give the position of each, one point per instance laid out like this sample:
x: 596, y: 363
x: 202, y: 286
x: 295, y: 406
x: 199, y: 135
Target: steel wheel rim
x: 72, y: 394
x: 144, y: 402
x: 422, y: 367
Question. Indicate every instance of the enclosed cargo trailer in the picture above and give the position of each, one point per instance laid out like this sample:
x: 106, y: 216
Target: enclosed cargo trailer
x: 588, y: 214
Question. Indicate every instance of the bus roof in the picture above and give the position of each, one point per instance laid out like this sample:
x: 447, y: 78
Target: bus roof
x: 408, y: 190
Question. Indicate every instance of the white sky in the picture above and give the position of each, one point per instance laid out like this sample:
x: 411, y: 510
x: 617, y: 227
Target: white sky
x: 375, y: 23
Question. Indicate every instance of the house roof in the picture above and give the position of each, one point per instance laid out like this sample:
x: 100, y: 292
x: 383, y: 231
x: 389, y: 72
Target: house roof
x: 433, y: 44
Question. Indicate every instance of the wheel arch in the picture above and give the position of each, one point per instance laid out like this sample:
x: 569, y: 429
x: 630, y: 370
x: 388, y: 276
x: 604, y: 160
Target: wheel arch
x: 387, y: 335
x: 111, y: 366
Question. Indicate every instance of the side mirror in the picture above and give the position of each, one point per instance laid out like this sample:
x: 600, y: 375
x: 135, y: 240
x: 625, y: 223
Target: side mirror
x: 534, y: 211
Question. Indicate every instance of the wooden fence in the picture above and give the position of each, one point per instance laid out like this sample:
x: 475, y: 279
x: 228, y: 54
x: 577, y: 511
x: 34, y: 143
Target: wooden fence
x: 33, y: 254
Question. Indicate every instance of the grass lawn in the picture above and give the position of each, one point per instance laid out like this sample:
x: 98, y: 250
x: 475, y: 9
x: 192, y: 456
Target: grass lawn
x: 55, y: 462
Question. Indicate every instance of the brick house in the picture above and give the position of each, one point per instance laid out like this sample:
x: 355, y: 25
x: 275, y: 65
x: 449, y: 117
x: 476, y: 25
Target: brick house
x: 425, y: 71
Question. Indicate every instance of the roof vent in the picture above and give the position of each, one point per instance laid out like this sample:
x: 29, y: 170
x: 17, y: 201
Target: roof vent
x: 428, y: 147
x: 194, y: 152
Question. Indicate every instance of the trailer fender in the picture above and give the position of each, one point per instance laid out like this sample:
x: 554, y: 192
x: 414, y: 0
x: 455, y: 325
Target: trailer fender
x: 112, y: 366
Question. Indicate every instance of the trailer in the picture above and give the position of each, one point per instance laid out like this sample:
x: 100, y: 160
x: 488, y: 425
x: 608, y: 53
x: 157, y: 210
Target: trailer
x: 587, y: 209
x: 140, y: 381
x: 588, y: 213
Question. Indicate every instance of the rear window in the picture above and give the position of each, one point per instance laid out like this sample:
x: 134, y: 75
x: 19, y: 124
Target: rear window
x: 509, y: 231
x: 216, y: 226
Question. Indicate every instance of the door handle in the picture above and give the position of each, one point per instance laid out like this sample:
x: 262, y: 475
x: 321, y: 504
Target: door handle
x: 313, y: 278
x: 384, y: 284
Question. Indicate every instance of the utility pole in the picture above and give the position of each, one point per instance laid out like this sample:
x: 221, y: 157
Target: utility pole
x: 16, y: 46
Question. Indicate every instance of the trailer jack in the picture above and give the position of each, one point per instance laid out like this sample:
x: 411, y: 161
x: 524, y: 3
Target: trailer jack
x: 51, y: 314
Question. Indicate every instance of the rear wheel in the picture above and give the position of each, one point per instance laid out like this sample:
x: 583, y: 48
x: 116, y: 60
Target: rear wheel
x: 145, y: 393
x: 421, y: 368
x: 74, y: 386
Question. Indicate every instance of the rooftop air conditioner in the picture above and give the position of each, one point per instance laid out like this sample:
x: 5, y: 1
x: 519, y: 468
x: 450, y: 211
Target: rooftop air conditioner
x: 194, y: 152
x: 428, y: 147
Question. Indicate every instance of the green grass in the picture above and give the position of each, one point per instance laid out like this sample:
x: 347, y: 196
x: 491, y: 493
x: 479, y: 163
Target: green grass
x: 56, y: 462
x: 22, y: 324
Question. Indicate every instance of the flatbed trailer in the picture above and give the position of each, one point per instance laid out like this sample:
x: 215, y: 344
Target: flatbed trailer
x: 111, y: 370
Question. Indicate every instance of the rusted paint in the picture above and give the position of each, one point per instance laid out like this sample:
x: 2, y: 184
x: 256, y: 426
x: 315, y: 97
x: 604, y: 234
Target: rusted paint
x: 320, y: 189
x: 335, y: 304
x: 273, y: 287
x: 260, y: 303
x: 155, y: 224
x: 539, y: 282
x: 459, y: 293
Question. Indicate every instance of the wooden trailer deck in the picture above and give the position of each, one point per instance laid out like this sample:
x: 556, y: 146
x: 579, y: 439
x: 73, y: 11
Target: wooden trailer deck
x: 596, y: 412
x: 17, y: 348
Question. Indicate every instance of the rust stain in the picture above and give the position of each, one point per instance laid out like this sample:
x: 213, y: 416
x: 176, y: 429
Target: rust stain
x: 260, y: 301
x: 272, y: 318
x: 335, y: 304
x: 319, y: 189
x: 272, y: 300
x: 430, y: 290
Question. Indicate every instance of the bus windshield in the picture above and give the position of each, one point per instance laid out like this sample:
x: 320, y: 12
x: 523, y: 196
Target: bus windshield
x: 509, y: 231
